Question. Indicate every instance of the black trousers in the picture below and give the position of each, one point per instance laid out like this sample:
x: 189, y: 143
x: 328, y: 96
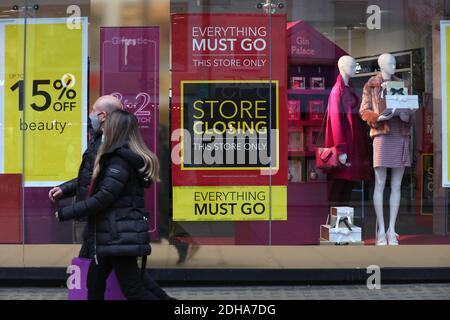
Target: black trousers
x: 129, y: 277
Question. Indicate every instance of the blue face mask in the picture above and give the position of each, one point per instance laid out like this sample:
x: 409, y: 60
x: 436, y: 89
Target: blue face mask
x: 95, y: 123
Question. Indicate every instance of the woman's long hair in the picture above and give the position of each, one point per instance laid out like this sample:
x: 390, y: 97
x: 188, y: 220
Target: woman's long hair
x: 121, y: 126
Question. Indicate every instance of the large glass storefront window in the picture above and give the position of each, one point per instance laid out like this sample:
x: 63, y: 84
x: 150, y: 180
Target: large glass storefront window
x: 291, y: 134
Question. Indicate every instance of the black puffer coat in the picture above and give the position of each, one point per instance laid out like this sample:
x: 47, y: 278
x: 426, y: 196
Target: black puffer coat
x: 79, y: 187
x: 116, y: 210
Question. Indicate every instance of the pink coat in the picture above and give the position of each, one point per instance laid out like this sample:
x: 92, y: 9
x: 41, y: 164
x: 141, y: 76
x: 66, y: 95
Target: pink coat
x: 346, y: 131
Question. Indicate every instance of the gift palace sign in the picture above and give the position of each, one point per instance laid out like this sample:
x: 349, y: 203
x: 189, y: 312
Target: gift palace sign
x: 228, y: 111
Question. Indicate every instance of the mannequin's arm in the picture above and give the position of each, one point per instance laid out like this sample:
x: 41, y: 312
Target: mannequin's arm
x: 336, y: 119
x: 405, y: 117
x: 387, y: 115
x: 366, y: 110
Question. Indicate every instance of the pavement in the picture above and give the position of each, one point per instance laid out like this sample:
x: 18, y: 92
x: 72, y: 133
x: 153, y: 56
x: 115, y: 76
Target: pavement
x: 344, y: 292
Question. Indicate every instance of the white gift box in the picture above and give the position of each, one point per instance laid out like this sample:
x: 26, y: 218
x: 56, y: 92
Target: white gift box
x: 342, y: 211
x: 341, y: 235
x: 410, y: 102
x: 338, y: 214
x: 333, y: 222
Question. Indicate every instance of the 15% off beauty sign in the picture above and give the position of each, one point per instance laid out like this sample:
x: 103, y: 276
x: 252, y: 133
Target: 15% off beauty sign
x: 41, y: 88
x: 45, y: 99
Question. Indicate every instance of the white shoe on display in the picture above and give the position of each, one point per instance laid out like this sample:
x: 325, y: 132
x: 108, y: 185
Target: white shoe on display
x: 381, y: 240
x: 392, y: 238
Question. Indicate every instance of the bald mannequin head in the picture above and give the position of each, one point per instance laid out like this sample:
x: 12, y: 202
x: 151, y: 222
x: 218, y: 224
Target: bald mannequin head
x: 102, y: 107
x: 388, y: 65
x: 347, y: 66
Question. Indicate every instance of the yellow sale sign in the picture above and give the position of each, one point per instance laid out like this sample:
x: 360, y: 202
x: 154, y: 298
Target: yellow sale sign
x: 44, y: 99
x: 244, y: 203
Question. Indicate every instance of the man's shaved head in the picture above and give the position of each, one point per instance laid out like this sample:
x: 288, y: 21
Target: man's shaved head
x: 102, y: 107
x: 107, y: 104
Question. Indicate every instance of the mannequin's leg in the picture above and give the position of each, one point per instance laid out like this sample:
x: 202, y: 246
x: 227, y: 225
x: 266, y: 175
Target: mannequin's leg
x: 380, y: 182
x: 396, y: 184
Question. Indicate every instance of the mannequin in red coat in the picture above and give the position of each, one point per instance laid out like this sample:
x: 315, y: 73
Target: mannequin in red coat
x: 346, y: 131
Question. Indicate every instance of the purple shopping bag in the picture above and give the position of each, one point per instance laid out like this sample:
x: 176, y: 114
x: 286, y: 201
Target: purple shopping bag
x: 76, y: 283
x: 113, y: 291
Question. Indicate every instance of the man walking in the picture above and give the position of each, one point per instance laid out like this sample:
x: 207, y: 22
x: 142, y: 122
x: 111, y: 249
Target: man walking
x: 79, y: 187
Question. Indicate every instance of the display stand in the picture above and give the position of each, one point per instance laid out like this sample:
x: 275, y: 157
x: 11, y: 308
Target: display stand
x: 312, y: 63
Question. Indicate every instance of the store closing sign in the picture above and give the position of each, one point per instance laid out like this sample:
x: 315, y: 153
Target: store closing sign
x: 43, y: 114
x: 229, y: 126
x: 445, y: 65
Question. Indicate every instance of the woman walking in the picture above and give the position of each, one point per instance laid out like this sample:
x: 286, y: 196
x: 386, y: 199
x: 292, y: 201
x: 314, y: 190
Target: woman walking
x: 115, y: 208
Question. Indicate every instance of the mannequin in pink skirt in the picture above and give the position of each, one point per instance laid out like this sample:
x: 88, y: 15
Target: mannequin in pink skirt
x: 391, y: 146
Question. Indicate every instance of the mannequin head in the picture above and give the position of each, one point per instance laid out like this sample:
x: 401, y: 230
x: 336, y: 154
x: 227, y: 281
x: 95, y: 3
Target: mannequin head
x: 347, y: 66
x: 388, y: 64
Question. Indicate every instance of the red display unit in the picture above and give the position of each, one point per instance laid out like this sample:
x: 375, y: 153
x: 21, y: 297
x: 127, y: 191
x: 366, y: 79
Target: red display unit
x: 11, y: 208
x: 220, y: 57
x: 314, y: 57
x: 228, y: 120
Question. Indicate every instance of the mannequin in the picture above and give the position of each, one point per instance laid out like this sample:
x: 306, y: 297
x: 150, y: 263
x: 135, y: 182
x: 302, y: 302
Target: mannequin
x: 343, y: 124
x: 347, y: 69
x: 391, y: 136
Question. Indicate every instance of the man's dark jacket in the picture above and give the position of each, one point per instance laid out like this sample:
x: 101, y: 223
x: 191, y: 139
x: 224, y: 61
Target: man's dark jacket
x: 79, y: 188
